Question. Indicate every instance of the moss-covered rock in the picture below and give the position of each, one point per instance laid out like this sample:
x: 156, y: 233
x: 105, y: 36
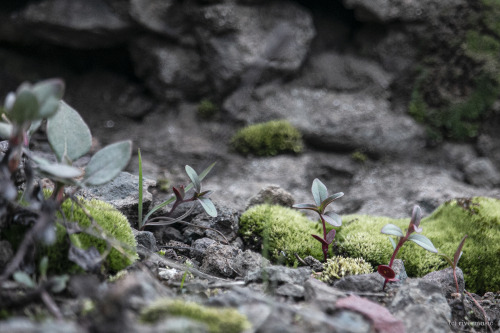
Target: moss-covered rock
x: 113, y: 224
x: 478, y: 217
x: 281, y: 232
x: 337, y: 267
x: 217, y: 320
x: 268, y: 139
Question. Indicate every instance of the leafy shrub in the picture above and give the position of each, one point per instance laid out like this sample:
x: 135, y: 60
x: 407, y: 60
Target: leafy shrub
x: 268, y: 139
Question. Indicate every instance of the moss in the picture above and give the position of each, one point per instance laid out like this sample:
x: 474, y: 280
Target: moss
x: 480, y: 219
x: 216, y: 319
x: 113, y: 223
x: 268, y: 139
x: 337, y: 267
x: 287, y: 231
x: 207, y: 109
x: 359, y: 156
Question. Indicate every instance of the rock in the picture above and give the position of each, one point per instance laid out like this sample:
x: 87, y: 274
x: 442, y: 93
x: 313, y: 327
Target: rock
x: 422, y: 307
x: 248, y: 261
x: 334, y: 121
x: 165, y: 234
x: 267, y: 40
x: 481, y: 172
x: 24, y: 325
x: 384, y: 11
x: 6, y: 253
x: 280, y: 275
x: 321, y: 294
x: 146, y: 239
x: 273, y: 195
x: 171, y: 71
x: 314, y: 263
x: 218, y: 260
x: 348, y: 72
x: 361, y: 283
x: 164, y: 17
x: 122, y: 193
x: 199, y: 247
x: 226, y: 222
x: 290, y: 291
x: 79, y: 24
x: 445, y: 279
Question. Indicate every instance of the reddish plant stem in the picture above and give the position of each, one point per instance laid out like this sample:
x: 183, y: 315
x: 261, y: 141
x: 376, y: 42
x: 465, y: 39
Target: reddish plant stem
x: 455, y: 277
x: 482, y: 310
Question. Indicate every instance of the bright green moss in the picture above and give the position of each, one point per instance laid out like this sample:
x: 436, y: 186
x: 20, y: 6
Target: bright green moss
x: 207, y: 109
x: 113, y: 223
x: 337, y: 267
x: 217, y: 320
x: 286, y: 230
x: 360, y: 237
x: 268, y: 139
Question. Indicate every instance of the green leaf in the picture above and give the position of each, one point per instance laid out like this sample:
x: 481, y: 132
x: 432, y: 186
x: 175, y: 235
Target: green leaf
x: 194, y: 178
x: 208, y: 206
x: 319, y: 191
x: 305, y: 206
x: 332, y: 218
x: 59, y: 283
x: 330, y: 199
x: 448, y: 259
x: 58, y: 170
x: 48, y: 94
x: 5, y: 130
x: 391, y: 229
x: 23, y: 278
x: 458, y: 252
x: 139, y: 206
x: 107, y: 163
x: 423, y: 242
x: 43, y: 266
x: 393, y: 243
x: 25, y: 108
x: 68, y: 134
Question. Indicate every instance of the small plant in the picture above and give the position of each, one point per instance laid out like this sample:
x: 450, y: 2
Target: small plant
x: 178, y: 198
x: 390, y: 229
x: 69, y: 137
x: 268, y: 139
x: 454, y: 262
x: 207, y: 109
x: 337, y: 267
x: 322, y: 200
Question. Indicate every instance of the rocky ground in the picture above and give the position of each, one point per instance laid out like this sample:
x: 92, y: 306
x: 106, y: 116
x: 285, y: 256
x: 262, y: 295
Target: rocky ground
x: 342, y: 72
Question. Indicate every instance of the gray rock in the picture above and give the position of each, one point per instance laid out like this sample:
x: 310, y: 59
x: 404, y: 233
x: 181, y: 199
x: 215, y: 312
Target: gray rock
x: 422, y: 307
x: 83, y: 24
x: 362, y: 283
x: 226, y: 222
x: 280, y: 275
x: 218, y: 260
x: 166, y: 17
x: 165, y: 234
x: 488, y: 144
x: 199, y: 247
x: 334, y: 121
x: 290, y: 290
x: 264, y: 40
x: 393, y: 10
x: 24, y: 325
x: 321, y: 294
x: 314, y: 263
x: 146, y: 239
x: 482, y: 172
x: 171, y: 71
x: 6, y: 253
x: 248, y: 261
x: 173, y: 325
x: 273, y: 195
x: 122, y: 193
x: 445, y: 279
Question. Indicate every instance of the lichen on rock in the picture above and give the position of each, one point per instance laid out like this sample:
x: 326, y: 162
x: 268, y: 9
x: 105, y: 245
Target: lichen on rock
x: 337, y: 267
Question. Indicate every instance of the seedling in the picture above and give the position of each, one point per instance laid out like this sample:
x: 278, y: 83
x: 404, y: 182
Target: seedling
x: 390, y: 229
x: 322, y: 200
x: 453, y: 262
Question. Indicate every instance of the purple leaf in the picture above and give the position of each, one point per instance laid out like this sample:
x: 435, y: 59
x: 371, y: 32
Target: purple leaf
x: 416, y: 216
x: 330, y: 199
x: 330, y: 236
x: 332, y: 218
x: 320, y: 239
x: 179, y: 193
x: 386, y: 271
x: 458, y: 253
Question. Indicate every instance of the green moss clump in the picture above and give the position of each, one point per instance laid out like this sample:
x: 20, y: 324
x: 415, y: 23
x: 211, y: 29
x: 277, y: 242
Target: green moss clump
x: 113, y: 223
x: 281, y: 232
x: 337, y: 267
x: 268, y: 139
x: 479, y: 218
x: 207, y: 109
x: 216, y: 319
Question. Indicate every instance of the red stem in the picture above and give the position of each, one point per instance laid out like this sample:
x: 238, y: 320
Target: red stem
x: 455, y: 277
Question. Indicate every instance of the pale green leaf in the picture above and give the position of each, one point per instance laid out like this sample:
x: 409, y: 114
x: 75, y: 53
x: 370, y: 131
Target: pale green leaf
x: 195, y: 179
x: 5, y: 130
x: 423, y: 242
x: 107, y: 163
x: 48, y: 94
x: 23, y: 278
x: 391, y: 229
x: 68, y: 134
x: 319, y: 191
x: 208, y: 206
x: 25, y: 108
